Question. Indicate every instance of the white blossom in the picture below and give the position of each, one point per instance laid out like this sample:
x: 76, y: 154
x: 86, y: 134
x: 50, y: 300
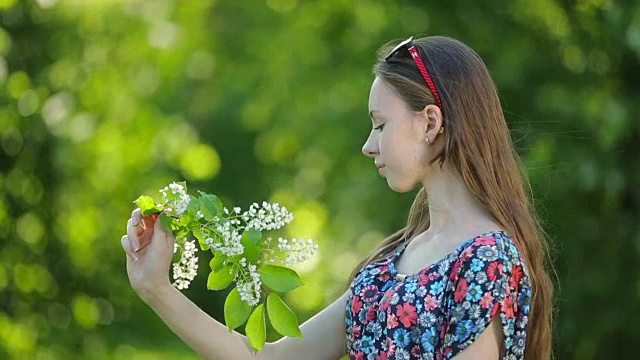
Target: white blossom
x: 249, y: 285
x: 181, y: 201
x: 230, y: 243
x: 187, y: 268
x: 292, y: 252
x: 271, y: 216
x: 300, y: 251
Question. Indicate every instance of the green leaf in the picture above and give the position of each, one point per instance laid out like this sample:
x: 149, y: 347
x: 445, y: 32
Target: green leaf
x: 194, y: 205
x: 236, y: 310
x: 210, y: 206
x: 251, y: 250
x: 346, y: 357
x: 282, y: 318
x: 180, y: 231
x: 256, y: 328
x: 184, y: 220
x: 217, y: 262
x: 278, y: 278
x: 147, y: 205
x: 221, y: 279
x: 201, y: 239
x: 255, y: 235
x: 167, y: 222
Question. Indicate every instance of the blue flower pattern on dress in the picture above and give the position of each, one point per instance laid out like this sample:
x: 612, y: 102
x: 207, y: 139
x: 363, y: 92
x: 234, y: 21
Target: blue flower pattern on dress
x: 439, y: 311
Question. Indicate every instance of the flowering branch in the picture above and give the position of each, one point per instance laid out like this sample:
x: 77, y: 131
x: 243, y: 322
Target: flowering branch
x: 240, y: 255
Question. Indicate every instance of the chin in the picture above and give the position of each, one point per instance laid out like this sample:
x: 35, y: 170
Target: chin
x: 400, y: 187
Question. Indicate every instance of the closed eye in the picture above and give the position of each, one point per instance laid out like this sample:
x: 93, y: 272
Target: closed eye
x: 379, y: 127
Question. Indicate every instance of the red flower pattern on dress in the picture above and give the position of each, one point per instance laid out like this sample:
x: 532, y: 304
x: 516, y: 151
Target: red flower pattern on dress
x: 495, y: 270
x: 407, y: 314
x: 382, y: 356
x: 371, y: 313
x: 392, y: 346
x: 434, y: 276
x: 461, y: 290
x: 467, y: 254
x: 508, y: 307
x: 485, y: 240
x: 430, y: 302
x: 356, y: 305
x: 392, y: 321
x: 386, y: 301
x: 384, y: 276
x: 356, y: 331
x: 486, y: 300
x: 424, y: 279
x: 517, y: 273
x: 495, y: 309
x: 455, y: 269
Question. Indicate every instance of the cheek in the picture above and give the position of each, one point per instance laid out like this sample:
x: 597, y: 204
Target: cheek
x: 396, y: 146
x: 410, y: 160
x: 390, y: 141
x: 402, y: 151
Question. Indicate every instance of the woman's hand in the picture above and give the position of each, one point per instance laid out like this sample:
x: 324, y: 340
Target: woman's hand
x: 149, y: 249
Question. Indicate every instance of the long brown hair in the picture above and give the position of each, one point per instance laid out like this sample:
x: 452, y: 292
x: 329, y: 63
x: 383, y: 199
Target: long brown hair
x: 477, y: 144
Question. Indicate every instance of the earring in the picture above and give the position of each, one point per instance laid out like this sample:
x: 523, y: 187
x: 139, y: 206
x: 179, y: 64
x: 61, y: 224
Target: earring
x: 427, y: 140
x: 441, y: 130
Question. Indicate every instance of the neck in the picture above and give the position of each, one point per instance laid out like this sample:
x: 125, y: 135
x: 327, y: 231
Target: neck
x: 452, y: 208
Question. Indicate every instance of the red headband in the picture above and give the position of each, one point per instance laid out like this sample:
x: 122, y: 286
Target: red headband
x: 408, y: 44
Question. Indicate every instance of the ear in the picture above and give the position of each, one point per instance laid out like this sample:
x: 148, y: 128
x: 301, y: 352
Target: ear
x: 433, y: 120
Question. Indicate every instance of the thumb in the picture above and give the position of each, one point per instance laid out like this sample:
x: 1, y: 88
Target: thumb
x: 159, y: 229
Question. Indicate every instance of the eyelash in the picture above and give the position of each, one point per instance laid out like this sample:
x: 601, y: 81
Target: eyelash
x: 379, y: 127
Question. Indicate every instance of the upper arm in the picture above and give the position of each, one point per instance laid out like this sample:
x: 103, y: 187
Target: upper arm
x: 324, y: 336
x: 487, y: 346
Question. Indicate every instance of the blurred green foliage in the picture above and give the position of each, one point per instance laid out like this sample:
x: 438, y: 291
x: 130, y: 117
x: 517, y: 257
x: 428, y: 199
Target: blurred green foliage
x: 105, y: 100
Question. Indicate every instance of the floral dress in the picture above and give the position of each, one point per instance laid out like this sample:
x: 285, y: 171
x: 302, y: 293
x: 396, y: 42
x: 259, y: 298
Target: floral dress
x: 439, y: 311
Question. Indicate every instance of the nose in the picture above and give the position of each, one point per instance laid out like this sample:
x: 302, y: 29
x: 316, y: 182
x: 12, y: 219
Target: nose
x: 370, y: 147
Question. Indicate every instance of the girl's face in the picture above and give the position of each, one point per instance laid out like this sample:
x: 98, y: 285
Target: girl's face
x: 397, y: 141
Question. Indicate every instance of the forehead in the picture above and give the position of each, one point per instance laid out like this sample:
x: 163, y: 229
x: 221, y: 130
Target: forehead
x: 382, y: 98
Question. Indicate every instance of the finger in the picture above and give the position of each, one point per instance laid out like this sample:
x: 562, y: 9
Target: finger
x: 136, y: 215
x: 126, y: 245
x: 147, y: 222
x: 133, y: 237
x: 146, y: 233
x: 166, y: 234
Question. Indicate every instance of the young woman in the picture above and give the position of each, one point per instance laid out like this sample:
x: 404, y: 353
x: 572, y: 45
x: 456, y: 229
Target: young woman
x: 464, y: 279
